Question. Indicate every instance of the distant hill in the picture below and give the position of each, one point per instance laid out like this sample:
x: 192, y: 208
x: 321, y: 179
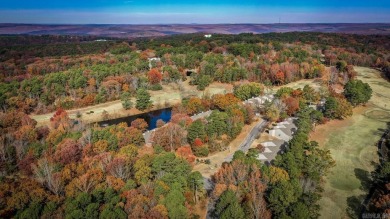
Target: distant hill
x: 132, y: 31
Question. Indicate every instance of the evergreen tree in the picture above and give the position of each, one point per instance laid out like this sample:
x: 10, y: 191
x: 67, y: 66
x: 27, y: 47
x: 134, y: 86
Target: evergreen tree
x: 357, y: 92
x: 283, y: 195
x: 228, y: 206
x: 331, y: 106
x: 341, y: 66
x: 203, y: 81
x: 143, y: 100
x: 126, y: 102
x: 196, y: 130
x: 175, y: 203
x: 217, y: 124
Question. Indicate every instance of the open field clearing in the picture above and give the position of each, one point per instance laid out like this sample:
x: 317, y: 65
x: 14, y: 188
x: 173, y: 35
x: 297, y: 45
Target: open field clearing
x: 170, y: 95
x: 352, y: 143
x: 315, y: 83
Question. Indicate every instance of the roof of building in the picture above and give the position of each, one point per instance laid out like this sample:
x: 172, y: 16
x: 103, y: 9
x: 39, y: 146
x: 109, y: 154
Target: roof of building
x: 288, y: 127
x: 268, y: 144
x: 261, y: 157
x: 282, y: 132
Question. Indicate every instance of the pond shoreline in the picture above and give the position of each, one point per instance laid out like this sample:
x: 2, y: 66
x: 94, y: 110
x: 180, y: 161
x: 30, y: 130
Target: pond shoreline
x: 150, y: 117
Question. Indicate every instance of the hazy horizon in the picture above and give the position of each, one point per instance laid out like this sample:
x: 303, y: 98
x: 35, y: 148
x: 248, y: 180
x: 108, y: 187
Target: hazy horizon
x: 152, y: 24
x: 190, y: 12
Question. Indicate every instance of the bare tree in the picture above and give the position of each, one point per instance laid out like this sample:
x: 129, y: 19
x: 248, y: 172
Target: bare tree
x: 170, y: 136
x: 280, y: 105
x: 44, y: 172
x: 86, y: 138
x: 120, y: 168
x: 334, y: 74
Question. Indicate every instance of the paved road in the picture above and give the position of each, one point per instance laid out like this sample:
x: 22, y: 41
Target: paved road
x: 147, y: 135
x: 201, y: 115
x: 246, y: 144
x: 209, y: 186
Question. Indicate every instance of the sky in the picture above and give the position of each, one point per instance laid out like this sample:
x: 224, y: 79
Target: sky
x: 187, y: 12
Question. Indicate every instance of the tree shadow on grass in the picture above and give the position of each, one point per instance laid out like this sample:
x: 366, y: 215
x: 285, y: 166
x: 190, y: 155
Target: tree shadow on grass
x: 355, y: 207
x: 379, y: 132
x: 364, y: 178
x: 355, y: 203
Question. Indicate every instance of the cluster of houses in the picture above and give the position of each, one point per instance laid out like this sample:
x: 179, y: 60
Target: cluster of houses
x: 281, y: 133
x: 278, y: 138
x: 257, y: 101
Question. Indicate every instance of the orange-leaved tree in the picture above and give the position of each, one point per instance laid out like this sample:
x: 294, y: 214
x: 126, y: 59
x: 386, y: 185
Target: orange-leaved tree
x: 154, y: 76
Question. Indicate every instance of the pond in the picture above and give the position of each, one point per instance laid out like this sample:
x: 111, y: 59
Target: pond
x: 150, y: 117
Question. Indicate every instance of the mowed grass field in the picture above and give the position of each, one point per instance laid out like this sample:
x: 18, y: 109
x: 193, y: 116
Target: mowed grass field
x: 315, y: 83
x: 352, y: 143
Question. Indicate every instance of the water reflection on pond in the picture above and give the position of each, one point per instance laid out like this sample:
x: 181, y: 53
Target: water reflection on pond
x: 150, y: 117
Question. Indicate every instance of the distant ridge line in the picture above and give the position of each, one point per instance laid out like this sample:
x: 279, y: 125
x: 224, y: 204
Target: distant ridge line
x: 152, y: 30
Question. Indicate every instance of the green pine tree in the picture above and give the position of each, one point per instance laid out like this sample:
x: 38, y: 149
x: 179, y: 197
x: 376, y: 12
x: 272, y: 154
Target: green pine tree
x: 143, y: 100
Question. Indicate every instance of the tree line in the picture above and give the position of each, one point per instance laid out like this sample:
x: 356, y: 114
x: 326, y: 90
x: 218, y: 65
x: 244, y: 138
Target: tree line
x: 104, y: 71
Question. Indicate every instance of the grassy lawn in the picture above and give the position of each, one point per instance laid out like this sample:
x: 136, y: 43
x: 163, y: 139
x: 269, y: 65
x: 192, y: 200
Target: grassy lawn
x: 352, y: 143
x: 315, y: 83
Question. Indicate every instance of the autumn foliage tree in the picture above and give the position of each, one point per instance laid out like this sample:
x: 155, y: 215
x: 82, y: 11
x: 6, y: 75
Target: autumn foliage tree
x: 154, y: 76
x: 223, y: 101
x: 194, y: 105
x: 132, y: 135
x: 67, y: 151
x: 160, y: 123
x: 186, y: 153
x: 74, y: 170
x: 170, y: 137
x: 60, y: 119
x: 337, y: 108
x: 292, y: 105
x: 139, y: 124
x: 239, y: 183
x: 279, y: 77
x: 182, y: 119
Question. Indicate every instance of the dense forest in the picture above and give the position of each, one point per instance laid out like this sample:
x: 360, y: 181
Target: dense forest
x: 41, y: 76
x: 71, y: 169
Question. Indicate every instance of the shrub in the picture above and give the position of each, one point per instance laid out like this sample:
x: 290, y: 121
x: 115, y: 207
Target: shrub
x: 202, y: 151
